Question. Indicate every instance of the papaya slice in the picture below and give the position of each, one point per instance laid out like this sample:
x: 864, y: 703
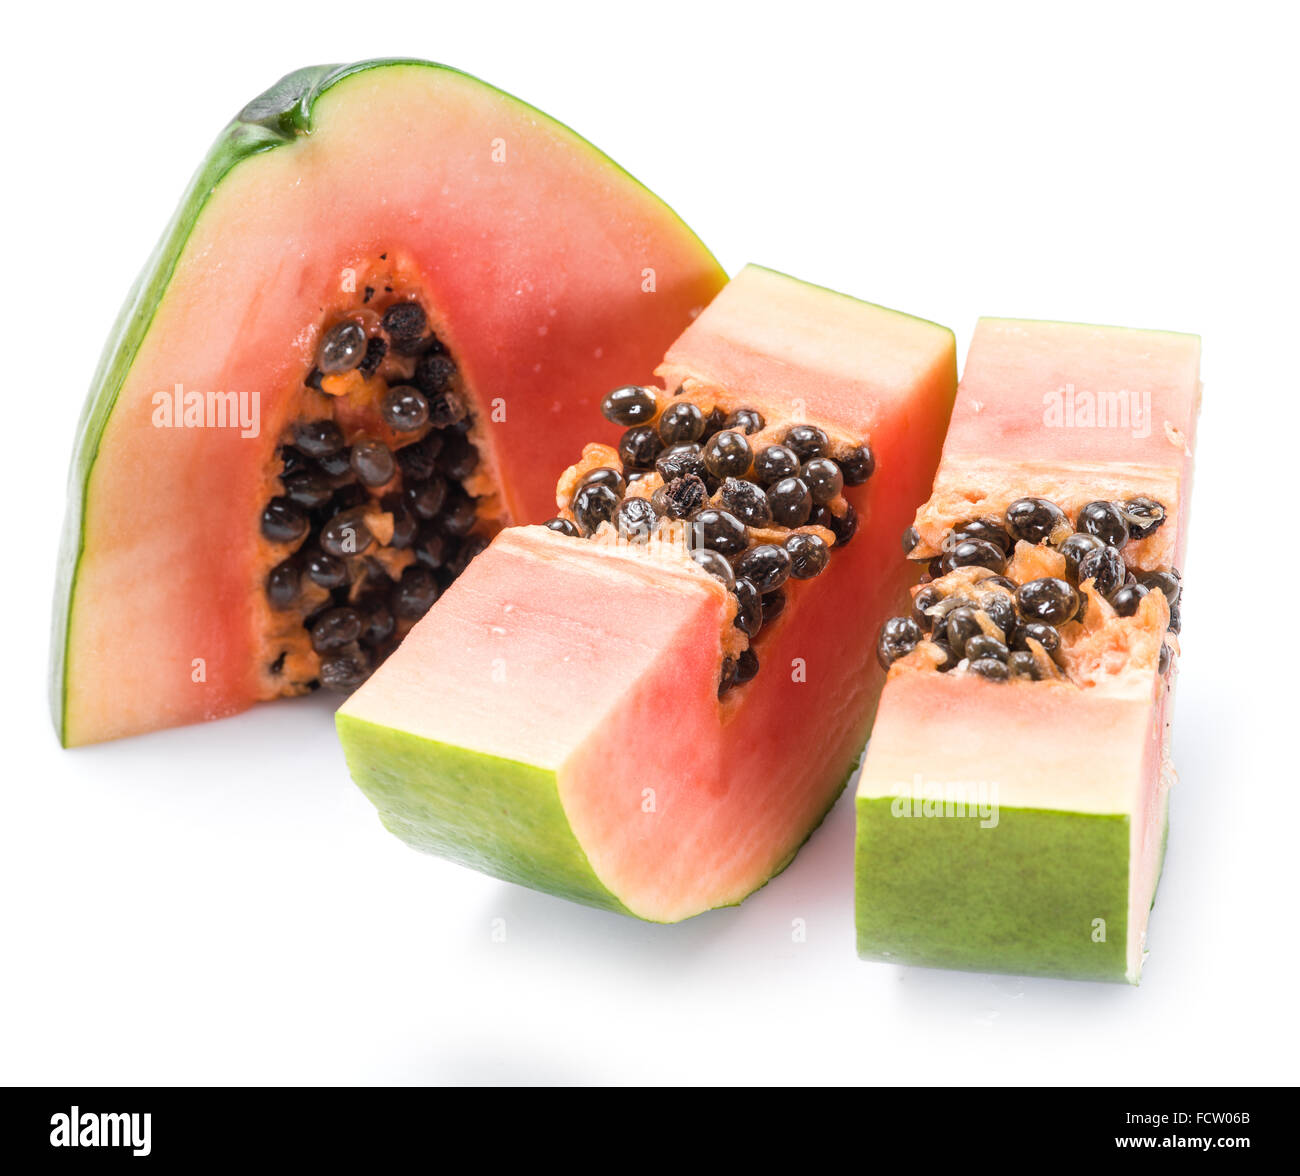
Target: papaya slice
x: 391, y: 296
x: 649, y: 704
x: 1012, y: 810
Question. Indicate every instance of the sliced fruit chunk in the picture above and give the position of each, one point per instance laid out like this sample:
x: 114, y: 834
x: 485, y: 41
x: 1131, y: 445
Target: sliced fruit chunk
x: 1013, y: 805
x: 391, y: 294
x: 650, y: 703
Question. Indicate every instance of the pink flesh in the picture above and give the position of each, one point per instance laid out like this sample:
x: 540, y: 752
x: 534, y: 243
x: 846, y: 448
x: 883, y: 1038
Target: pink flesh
x: 535, y: 266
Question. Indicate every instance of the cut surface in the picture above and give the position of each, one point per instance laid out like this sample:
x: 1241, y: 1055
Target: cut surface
x: 530, y: 249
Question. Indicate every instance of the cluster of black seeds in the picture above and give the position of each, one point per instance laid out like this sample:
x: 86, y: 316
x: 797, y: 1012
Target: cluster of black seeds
x: 331, y: 491
x: 724, y: 490
x: 990, y: 626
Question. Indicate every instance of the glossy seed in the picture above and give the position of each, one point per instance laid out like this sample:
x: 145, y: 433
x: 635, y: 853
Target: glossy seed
x: 988, y: 529
x: 373, y: 463
x: 746, y: 501
x: 843, y: 526
x: 406, y: 325
x: 1047, y: 599
x: 404, y: 408
x: 790, y: 502
x: 563, y: 527
x: 911, y: 537
x: 346, y: 534
x: 318, y: 439
x: 629, y: 406
x: 1075, y: 547
x: 283, y: 521
x: 326, y: 570
x: 1125, y: 601
x: 335, y: 628
x: 432, y: 548
x: 1105, y: 568
x: 727, y: 676
x: 856, y: 464
x: 639, y: 447
x: 458, y: 458
x: 415, y: 593
x: 1001, y: 610
x: 426, y: 499
x: 1162, y: 666
x: 774, y: 463
x: 823, y: 479
x: 766, y: 566
x: 926, y: 598
x: 1167, y: 582
x: 635, y: 519
x: 989, y: 667
x: 1176, y: 618
x: 345, y: 670
x: 809, y: 555
x: 744, y: 420
x: 1040, y: 631
x: 898, y: 637
x: 458, y: 515
x: 680, y: 461
x: 1143, y: 515
x: 405, y: 524
x: 308, y: 488
x: 681, y: 422
x: 470, y: 546
x: 977, y: 553
x: 342, y: 348
x: 807, y: 441
x: 960, y: 626
x: 982, y: 645
x: 379, y: 621
x: 1033, y: 519
x: 593, y: 505
x: 718, y: 530
x: 1104, y: 520
x: 728, y: 455
x: 773, y: 606
x: 749, y: 608
x: 746, y: 666
x: 715, y: 564
x: 603, y: 476
x: 1023, y: 664
x: 282, y: 585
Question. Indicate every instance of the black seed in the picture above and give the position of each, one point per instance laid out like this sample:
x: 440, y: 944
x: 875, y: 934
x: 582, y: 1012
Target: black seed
x: 282, y: 584
x: 337, y: 467
x: 342, y: 348
x: 766, y: 565
x: 807, y: 441
x: 680, y: 461
x: 790, y: 502
x: 426, y: 499
x: 564, y: 527
x: 1048, y: 599
x: 628, y: 406
x: 376, y: 349
x: 843, y: 527
x: 682, y: 497
x: 1167, y: 582
x: 1000, y: 581
x: 405, y: 524
x: 856, y: 464
x: 1162, y: 667
x: 727, y: 676
x: 404, y: 408
x: 773, y: 606
x: 283, y: 521
x: 318, y: 439
x: 346, y: 534
x: 335, y: 628
x: 314, y: 379
x: 727, y: 455
x: 293, y: 461
x: 344, y: 670
x: 808, y: 555
x: 823, y: 479
x: 718, y: 530
x: 681, y: 422
x: 348, y: 495
x: 458, y: 515
x: 1143, y: 516
x: 1105, y: 568
x: 715, y: 564
x: 308, y: 488
x: 419, y: 460
x: 982, y: 645
x: 746, y: 666
x: 746, y: 501
x: 603, y: 476
x: 926, y: 598
x: 911, y: 537
x: 639, y: 446
x: 989, y: 530
x: 635, y: 519
x: 977, y: 553
x: 1075, y: 548
x: 1033, y: 519
x: 372, y: 462
x: 1126, y: 600
x: 898, y: 637
x: 432, y: 548
x: 378, y: 620
x: 406, y: 325
x: 744, y: 420
x: 1023, y: 664
x: 593, y: 505
x: 471, y: 546
x: 774, y: 463
x: 960, y: 625
x: 1001, y: 610
x: 714, y: 421
x: 1176, y: 618
x: 415, y: 593
x: 458, y: 458
x: 326, y: 570
x: 749, y: 608
x: 989, y: 667
x: 1103, y: 519
x: 435, y: 374
x: 446, y: 409
x: 1040, y: 631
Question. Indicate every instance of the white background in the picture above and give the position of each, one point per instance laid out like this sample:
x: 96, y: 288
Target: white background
x: 220, y: 904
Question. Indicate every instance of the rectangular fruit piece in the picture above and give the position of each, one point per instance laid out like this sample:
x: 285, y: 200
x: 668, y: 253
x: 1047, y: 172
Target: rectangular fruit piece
x: 1019, y: 826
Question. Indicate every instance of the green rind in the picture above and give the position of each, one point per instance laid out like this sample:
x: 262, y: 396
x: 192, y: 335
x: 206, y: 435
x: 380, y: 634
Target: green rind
x: 495, y: 815
x: 270, y: 120
x: 1020, y: 898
